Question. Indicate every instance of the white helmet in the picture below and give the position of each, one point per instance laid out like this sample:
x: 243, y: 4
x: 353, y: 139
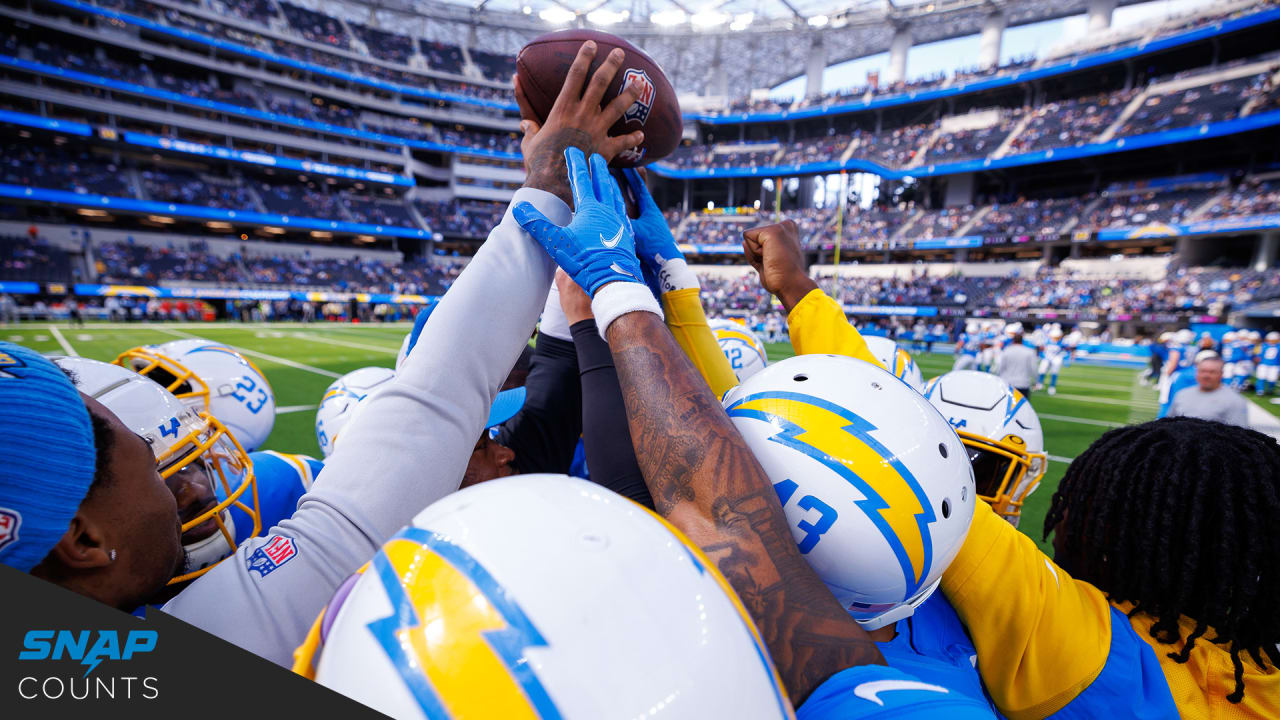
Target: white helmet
x: 1229, y: 336
x: 896, y: 360
x: 1164, y: 338
x: 971, y: 327
x: 179, y: 437
x: 340, y: 400
x: 525, y: 597
x: 1013, y: 328
x: 1184, y: 337
x: 875, y: 483
x: 1055, y: 333
x: 1273, y: 336
x: 214, y: 378
x: 741, y: 346
x: 1000, y: 431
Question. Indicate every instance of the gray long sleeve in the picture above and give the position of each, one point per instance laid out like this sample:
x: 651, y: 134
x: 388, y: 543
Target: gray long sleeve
x: 406, y: 447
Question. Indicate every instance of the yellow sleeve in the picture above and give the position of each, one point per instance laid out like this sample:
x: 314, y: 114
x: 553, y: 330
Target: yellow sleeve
x: 818, y: 326
x: 1042, y: 636
x: 688, y: 323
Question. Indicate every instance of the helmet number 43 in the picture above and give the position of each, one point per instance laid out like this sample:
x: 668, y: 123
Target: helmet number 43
x: 813, y: 530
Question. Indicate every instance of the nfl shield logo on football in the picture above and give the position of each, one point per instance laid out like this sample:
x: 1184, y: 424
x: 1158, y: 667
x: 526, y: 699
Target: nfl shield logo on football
x: 268, y: 558
x: 639, y: 110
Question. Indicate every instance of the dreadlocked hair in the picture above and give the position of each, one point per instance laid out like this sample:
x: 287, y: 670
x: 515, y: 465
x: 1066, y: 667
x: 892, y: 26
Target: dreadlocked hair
x: 1178, y: 517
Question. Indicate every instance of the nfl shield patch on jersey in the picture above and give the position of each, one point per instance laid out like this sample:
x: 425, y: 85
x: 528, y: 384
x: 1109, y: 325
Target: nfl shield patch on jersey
x: 267, y: 559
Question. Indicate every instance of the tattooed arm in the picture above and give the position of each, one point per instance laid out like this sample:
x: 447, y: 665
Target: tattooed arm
x: 705, y: 481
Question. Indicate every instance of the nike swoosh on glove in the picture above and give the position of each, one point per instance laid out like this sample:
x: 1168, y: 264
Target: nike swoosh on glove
x: 598, y: 246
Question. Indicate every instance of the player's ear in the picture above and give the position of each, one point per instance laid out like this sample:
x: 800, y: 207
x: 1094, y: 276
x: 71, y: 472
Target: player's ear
x: 83, y: 545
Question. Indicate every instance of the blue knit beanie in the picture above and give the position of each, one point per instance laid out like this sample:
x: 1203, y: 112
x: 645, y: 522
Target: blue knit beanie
x: 47, y: 456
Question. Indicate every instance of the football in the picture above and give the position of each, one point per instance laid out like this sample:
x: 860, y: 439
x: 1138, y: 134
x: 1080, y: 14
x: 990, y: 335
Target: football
x: 543, y: 64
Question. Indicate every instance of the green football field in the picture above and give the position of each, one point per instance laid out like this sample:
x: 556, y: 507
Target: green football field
x: 302, y: 360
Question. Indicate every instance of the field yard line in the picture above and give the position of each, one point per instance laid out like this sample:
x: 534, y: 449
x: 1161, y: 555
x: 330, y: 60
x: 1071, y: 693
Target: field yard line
x: 1082, y: 421
x: 66, y: 346
x: 1105, y: 401
x: 344, y: 343
x: 1052, y: 458
x: 273, y: 358
x: 1086, y: 384
x: 294, y: 408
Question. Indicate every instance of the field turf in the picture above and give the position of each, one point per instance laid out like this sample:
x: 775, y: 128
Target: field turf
x: 301, y: 361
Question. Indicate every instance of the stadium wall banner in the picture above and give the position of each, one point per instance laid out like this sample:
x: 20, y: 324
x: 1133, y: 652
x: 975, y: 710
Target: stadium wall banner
x: 891, y: 310
x: 257, y: 158
x: 69, y: 127
x: 1122, y: 144
x: 20, y: 287
x: 66, y: 655
x: 969, y: 241
x: 1204, y: 227
x: 1066, y: 66
x: 222, y: 107
x: 147, y: 291
x: 104, y: 202
x: 205, y: 39
x: 696, y: 249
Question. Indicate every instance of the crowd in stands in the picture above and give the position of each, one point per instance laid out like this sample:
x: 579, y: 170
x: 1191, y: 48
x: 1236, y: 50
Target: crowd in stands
x: 189, y: 188
x: 314, y: 26
x: 1211, y: 289
x: 1122, y: 207
x: 967, y: 144
x: 941, y: 223
x: 377, y: 212
x: 1251, y: 197
x: 57, y: 168
x: 31, y: 259
x: 1064, y: 123
x: 1199, y: 105
x: 385, y: 45
x: 1029, y: 217
x: 472, y: 219
x: 146, y: 264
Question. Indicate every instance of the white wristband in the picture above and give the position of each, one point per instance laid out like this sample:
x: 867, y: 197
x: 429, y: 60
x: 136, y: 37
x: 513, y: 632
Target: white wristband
x: 675, y: 274
x: 554, y: 323
x: 619, y: 298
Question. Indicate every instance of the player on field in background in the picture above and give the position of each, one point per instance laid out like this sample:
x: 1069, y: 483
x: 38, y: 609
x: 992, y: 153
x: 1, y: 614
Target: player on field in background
x: 967, y: 348
x: 1268, y: 371
x: 705, y: 480
x: 1052, y: 355
x: 1230, y: 352
x: 406, y: 448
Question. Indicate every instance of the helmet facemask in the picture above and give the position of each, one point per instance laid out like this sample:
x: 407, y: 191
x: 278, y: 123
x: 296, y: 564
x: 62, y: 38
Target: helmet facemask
x: 169, y: 374
x: 1004, y: 472
x: 213, y: 457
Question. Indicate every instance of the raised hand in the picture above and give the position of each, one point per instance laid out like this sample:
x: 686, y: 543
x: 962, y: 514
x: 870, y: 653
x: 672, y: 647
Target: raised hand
x: 576, y: 120
x: 598, y: 247
x: 774, y: 251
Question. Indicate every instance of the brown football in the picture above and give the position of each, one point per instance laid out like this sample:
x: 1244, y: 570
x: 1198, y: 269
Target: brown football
x: 543, y: 64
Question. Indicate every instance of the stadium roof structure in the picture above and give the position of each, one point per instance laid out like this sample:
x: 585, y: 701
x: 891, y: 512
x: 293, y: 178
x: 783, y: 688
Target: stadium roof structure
x: 761, y: 42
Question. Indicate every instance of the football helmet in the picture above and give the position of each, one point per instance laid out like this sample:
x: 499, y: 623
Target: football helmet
x: 1184, y: 337
x: 896, y: 360
x: 741, y: 346
x: 1273, y: 337
x: 192, y: 449
x: 874, y: 482
x: 454, y: 618
x: 212, y: 378
x: 1001, y: 433
x: 341, y: 399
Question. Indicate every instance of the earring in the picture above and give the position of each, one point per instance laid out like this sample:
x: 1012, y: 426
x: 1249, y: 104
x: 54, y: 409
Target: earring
x: 113, y: 554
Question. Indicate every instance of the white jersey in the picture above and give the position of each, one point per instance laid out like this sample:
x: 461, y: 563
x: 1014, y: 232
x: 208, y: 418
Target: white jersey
x: 406, y: 448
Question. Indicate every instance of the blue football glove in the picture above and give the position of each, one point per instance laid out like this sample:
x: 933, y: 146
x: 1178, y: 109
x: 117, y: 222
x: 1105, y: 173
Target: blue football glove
x: 655, y: 244
x: 598, y: 246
